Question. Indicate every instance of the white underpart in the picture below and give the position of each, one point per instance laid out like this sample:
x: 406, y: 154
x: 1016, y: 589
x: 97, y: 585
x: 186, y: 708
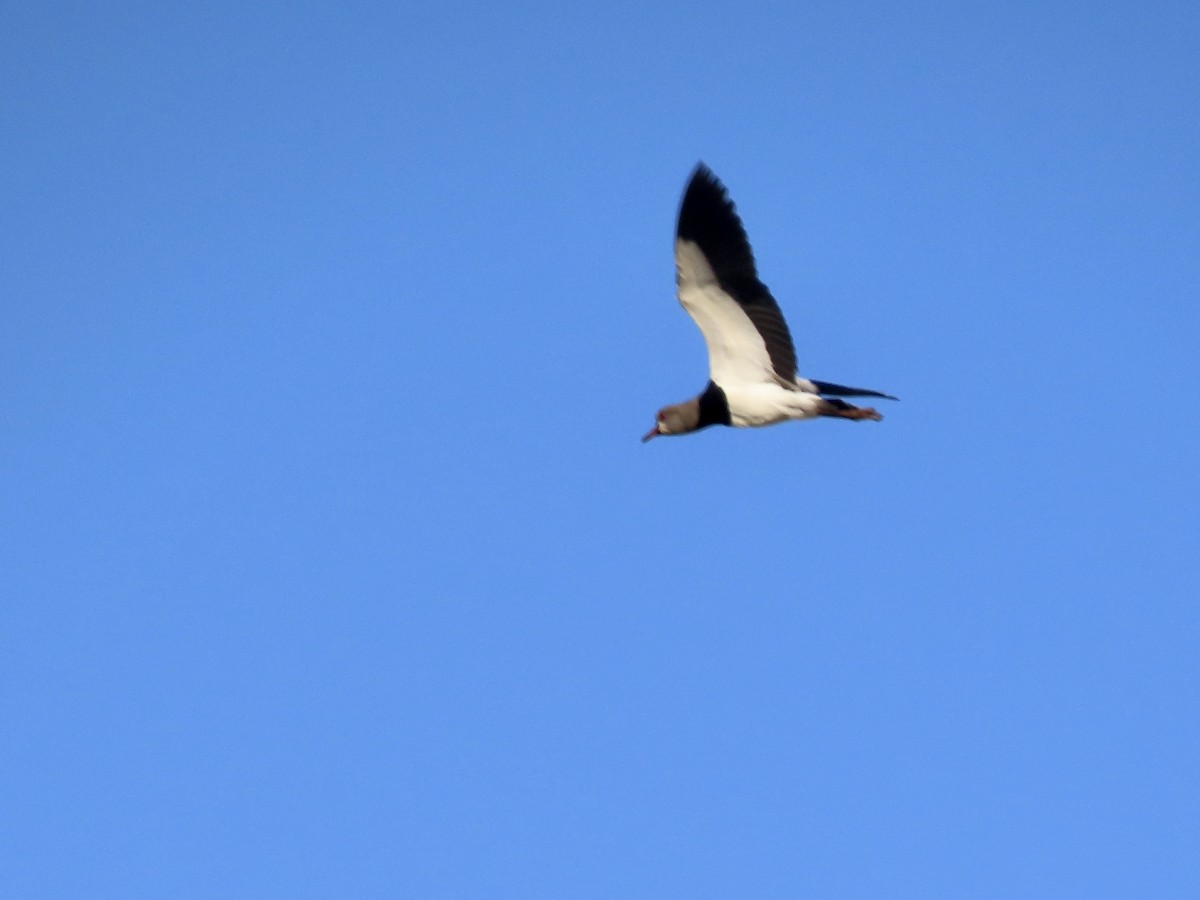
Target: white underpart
x: 751, y: 406
x: 737, y: 354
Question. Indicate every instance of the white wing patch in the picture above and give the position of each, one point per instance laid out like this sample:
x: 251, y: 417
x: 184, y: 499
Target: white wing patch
x: 737, y: 354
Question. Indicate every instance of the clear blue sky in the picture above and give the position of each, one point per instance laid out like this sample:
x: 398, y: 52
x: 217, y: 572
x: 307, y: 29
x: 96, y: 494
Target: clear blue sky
x: 331, y: 564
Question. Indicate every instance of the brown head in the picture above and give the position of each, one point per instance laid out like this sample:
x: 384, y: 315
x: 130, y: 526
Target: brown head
x: 678, y: 419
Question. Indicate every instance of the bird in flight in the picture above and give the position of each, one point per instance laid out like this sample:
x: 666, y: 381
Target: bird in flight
x: 751, y: 358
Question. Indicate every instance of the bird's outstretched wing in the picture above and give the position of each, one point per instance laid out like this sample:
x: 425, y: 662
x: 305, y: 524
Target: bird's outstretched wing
x: 747, y: 337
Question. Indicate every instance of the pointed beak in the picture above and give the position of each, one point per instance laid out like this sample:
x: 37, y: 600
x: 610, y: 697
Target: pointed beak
x: 653, y: 432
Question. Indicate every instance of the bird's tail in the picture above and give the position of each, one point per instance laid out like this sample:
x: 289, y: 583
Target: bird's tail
x: 826, y: 388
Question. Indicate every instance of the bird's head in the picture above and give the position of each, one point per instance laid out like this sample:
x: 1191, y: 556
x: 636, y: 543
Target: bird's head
x: 678, y: 419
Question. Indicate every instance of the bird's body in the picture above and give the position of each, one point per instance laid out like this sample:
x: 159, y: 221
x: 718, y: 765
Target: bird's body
x: 756, y: 405
x: 752, y: 361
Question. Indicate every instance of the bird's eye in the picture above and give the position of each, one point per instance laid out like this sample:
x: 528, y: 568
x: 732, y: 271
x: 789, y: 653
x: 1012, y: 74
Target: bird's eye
x: 661, y: 416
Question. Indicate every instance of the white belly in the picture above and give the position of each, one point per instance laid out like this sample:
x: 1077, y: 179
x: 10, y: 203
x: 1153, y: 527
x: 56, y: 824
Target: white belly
x: 752, y: 406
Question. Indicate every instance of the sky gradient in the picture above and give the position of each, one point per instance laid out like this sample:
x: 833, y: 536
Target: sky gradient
x: 332, y: 565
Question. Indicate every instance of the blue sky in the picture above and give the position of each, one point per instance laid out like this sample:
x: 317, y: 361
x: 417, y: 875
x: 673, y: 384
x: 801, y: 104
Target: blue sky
x: 333, y: 567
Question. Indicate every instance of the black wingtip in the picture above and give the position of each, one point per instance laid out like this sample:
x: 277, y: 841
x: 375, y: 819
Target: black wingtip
x: 708, y: 218
x: 703, y: 173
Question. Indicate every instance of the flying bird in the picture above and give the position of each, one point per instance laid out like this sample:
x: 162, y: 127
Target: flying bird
x: 751, y: 358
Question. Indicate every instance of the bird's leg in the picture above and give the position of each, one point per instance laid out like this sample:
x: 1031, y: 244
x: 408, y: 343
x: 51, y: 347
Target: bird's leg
x: 840, y: 409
